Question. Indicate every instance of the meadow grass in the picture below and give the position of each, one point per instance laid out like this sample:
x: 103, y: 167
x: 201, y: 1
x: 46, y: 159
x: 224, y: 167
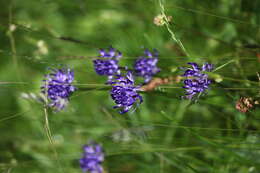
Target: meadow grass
x: 166, y: 133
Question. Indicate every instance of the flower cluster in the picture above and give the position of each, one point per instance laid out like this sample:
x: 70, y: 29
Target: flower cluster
x: 58, y: 84
x: 124, y: 92
x: 197, y: 81
x: 92, y: 158
x: 145, y: 66
x: 58, y: 87
x: 107, y: 62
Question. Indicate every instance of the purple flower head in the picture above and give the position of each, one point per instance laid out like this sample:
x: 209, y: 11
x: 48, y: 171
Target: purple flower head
x: 58, y: 87
x: 197, y: 82
x: 193, y: 71
x: 124, y: 92
x: 145, y: 66
x: 92, y: 158
x: 107, y: 62
x: 111, y: 53
x: 207, y: 67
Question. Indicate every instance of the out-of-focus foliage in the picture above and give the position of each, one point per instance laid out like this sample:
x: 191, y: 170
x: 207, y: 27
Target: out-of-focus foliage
x: 165, y: 133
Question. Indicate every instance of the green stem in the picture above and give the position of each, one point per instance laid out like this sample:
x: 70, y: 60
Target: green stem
x: 167, y: 24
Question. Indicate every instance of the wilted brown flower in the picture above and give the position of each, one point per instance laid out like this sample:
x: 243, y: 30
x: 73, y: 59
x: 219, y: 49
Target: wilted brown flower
x: 155, y: 82
x: 244, y: 104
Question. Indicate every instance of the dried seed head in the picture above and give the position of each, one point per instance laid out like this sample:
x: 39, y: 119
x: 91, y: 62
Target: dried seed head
x: 244, y: 104
x: 159, y: 20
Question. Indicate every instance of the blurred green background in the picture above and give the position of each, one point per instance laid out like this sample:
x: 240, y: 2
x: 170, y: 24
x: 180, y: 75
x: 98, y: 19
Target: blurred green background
x: 165, y: 134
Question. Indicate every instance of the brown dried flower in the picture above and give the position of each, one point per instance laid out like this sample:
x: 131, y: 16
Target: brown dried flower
x: 244, y: 104
x: 155, y: 82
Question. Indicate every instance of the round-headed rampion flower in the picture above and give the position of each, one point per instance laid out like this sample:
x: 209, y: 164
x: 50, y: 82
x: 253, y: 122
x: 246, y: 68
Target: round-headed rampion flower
x: 145, y: 66
x: 92, y: 159
x: 58, y: 87
x: 197, y: 81
x: 207, y: 67
x: 107, y: 62
x: 124, y: 92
